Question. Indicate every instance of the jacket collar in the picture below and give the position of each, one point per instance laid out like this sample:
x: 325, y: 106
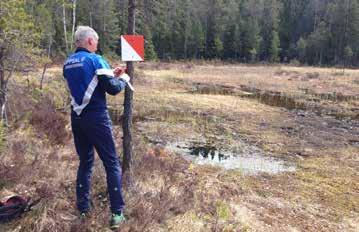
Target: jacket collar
x: 81, y: 49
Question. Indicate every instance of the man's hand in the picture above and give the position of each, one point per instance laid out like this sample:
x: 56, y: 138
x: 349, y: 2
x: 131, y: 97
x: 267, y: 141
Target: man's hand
x: 118, y: 71
x: 125, y: 77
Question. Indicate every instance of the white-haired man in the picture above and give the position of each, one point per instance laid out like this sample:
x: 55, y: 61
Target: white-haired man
x: 89, y: 78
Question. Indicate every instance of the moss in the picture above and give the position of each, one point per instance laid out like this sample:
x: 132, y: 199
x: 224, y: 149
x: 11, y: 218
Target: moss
x: 230, y: 228
x: 324, y: 180
x: 223, y: 211
x: 3, y: 184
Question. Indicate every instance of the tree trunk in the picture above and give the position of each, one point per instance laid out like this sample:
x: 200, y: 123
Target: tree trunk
x: 103, y: 26
x: 43, y: 75
x: 46, y: 64
x: 49, y: 47
x: 347, y: 9
x: 128, y: 101
x: 64, y: 22
x: 315, y: 15
x: 2, y: 85
x: 91, y: 19
x: 185, y: 43
x: 73, y: 23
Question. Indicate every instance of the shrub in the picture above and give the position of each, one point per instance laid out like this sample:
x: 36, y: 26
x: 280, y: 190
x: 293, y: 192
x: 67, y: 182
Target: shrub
x: 49, y: 122
x: 294, y: 62
x: 313, y: 75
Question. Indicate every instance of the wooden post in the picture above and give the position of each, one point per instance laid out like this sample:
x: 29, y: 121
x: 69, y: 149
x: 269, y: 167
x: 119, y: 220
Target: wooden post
x: 128, y: 101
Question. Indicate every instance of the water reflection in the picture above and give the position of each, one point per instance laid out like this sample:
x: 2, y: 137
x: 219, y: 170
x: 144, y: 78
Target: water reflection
x: 250, y: 161
x: 207, y: 152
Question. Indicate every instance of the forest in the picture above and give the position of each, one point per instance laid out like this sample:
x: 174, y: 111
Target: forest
x: 310, y: 32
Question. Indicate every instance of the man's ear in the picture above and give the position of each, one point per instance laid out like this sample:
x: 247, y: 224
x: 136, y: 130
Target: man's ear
x: 89, y: 41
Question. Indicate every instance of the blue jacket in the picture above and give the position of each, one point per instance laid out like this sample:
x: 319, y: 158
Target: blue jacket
x: 89, y: 77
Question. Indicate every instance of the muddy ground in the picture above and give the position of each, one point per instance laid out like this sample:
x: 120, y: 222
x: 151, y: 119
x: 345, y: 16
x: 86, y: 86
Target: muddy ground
x: 304, y: 117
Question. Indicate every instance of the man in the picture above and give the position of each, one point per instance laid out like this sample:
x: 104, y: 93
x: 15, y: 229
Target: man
x: 89, y: 77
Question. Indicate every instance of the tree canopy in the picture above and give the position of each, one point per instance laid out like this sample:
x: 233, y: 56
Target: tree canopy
x: 313, y: 32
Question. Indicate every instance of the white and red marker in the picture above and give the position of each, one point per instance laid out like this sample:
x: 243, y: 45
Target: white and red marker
x: 132, y: 48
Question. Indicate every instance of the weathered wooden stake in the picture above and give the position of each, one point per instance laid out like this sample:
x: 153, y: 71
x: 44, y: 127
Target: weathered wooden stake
x: 128, y: 101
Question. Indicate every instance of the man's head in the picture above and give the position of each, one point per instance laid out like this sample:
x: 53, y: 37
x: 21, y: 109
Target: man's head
x: 86, y: 37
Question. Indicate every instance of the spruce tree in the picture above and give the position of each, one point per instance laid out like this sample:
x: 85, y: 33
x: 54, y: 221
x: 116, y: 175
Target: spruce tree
x: 274, y: 48
x: 301, y: 50
x: 229, y: 45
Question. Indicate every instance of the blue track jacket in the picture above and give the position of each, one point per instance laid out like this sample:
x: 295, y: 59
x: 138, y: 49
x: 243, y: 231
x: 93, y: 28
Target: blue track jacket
x: 89, y: 77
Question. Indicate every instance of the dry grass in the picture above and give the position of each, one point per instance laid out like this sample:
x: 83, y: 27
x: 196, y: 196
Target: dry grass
x: 171, y: 194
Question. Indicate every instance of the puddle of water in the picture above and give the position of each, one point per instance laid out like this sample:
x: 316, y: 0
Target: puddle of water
x: 354, y: 142
x: 250, y: 161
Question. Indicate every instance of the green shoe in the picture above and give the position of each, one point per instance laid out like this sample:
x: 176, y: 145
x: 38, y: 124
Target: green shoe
x: 116, y: 220
x: 85, y: 215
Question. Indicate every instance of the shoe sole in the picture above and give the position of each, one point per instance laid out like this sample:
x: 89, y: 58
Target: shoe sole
x: 114, y: 227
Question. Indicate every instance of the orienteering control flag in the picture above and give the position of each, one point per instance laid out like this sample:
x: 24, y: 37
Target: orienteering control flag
x: 132, y: 48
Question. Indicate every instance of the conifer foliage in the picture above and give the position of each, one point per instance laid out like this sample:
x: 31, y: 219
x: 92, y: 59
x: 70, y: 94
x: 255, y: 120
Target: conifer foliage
x: 313, y: 32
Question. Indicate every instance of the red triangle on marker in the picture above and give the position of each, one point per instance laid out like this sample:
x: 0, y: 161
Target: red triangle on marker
x: 137, y: 43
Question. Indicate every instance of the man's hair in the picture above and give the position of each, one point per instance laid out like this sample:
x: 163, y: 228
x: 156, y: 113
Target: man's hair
x: 84, y: 32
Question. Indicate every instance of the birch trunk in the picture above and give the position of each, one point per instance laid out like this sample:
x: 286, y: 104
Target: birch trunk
x: 64, y: 22
x: 73, y: 23
x: 2, y: 85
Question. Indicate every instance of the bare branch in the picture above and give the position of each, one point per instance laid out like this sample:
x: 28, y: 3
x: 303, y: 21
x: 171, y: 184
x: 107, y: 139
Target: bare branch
x: 12, y: 69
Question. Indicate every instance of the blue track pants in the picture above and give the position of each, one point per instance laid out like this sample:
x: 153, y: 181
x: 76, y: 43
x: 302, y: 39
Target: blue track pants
x: 94, y: 130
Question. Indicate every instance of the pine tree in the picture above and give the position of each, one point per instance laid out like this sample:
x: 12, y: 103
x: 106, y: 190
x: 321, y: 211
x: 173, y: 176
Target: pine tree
x: 293, y: 24
x: 301, y: 50
x: 214, y: 45
x: 196, y: 40
x: 348, y: 55
x: 269, y: 46
x: 161, y: 34
x: 250, y: 40
x: 317, y: 42
x: 19, y: 43
x: 150, y: 53
x: 249, y: 37
x: 230, y: 46
x: 274, y: 48
x: 353, y: 30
